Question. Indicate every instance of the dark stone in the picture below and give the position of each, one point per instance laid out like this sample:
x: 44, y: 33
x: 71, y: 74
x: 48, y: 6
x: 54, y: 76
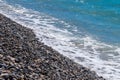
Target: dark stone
x: 23, y: 57
x: 17, y: 60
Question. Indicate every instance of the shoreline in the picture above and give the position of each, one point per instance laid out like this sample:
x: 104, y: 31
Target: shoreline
x: 23, y: 57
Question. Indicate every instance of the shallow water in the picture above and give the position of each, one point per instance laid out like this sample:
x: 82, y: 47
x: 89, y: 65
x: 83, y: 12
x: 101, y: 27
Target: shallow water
x: 86, y: 31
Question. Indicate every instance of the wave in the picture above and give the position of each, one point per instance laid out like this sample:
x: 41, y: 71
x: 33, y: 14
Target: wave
x: 85, y: 50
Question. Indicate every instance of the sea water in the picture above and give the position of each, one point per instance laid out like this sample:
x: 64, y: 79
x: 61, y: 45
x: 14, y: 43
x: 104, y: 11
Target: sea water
x: 86, y: 31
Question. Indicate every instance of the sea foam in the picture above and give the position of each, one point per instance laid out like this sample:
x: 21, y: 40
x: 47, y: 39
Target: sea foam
x: 85, y: 50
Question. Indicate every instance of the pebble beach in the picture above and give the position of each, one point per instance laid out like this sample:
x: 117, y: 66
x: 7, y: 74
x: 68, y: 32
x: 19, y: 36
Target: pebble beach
x: 23, y: 57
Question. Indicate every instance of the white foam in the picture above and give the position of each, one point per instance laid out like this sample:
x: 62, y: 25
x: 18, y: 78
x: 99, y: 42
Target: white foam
x: 81, y: 1
x: 83, y: 50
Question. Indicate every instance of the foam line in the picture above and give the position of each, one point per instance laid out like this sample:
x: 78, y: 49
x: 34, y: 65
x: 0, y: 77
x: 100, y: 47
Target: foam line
x: 101, y: 57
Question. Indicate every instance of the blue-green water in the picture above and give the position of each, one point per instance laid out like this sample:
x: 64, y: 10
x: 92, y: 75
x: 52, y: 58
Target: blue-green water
x: 100, y: 18
x: 86, y: 31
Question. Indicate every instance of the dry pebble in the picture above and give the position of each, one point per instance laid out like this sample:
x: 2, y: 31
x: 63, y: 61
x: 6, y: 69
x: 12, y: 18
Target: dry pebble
x: 23, y: 57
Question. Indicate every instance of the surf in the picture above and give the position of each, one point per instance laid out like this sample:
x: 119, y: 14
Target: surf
x: 83, y: 49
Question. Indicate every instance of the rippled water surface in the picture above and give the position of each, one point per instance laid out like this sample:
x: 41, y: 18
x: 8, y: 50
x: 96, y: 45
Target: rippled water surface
x: 87, y: 31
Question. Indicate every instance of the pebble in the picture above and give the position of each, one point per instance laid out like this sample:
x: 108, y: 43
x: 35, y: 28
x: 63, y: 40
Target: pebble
x: 23, y: 57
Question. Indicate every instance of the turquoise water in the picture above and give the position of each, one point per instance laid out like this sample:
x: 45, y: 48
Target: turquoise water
x: 86, y: 31
x: 99, y: 18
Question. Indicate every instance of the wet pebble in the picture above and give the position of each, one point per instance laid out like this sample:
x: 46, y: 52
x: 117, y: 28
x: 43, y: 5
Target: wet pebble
x: 23, y: 57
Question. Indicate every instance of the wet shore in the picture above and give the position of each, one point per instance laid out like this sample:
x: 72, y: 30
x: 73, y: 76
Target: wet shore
x: 23, y: 57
